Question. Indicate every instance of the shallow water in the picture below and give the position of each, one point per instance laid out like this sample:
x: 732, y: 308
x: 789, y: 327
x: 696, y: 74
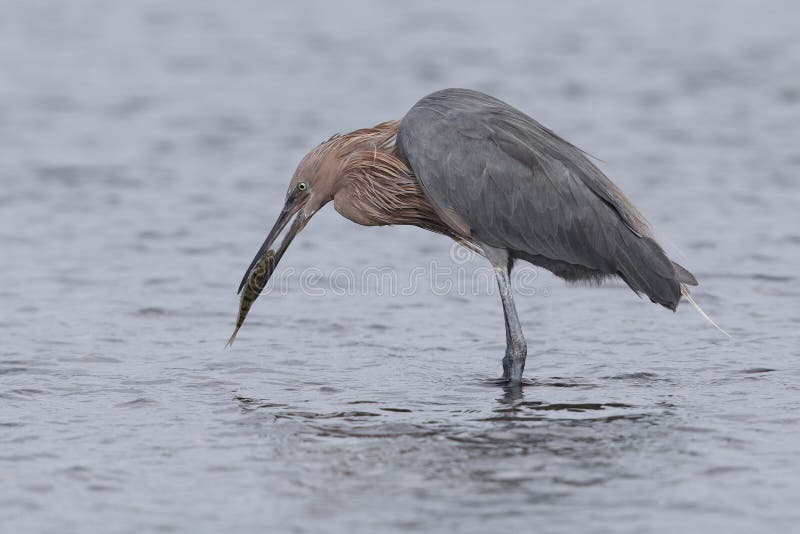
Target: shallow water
x: 146, y: 150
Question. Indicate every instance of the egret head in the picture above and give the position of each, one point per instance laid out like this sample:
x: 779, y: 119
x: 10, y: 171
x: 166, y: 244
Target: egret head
x: 320, y: 174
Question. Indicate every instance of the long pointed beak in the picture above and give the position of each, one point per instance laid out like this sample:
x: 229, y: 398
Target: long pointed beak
x: 291, y: 208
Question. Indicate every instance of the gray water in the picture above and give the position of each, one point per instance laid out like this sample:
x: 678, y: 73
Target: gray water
x: 145, y: 148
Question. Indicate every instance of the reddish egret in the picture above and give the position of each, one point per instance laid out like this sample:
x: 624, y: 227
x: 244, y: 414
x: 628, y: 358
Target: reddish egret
x: 469, y: 166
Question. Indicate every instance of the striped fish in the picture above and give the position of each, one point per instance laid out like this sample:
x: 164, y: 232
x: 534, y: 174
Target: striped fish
x: 256, y: 280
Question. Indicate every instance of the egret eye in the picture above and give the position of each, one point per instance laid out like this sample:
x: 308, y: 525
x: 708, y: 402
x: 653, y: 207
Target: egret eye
x: 302, y: 186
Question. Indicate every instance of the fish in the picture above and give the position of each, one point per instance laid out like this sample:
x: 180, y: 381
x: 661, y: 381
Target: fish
x: 256, y: 280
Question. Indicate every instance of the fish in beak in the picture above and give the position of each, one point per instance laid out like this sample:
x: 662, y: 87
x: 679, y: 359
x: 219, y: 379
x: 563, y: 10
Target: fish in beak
x: 256, y: 281
x: 266, y: 260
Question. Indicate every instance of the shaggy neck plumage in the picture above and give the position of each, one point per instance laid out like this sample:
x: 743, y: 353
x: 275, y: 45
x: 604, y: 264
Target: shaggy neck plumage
x: 378, y: 186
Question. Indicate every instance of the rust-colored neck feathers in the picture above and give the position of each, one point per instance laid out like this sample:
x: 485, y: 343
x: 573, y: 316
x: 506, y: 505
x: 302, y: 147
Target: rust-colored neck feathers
x: 368, y: 182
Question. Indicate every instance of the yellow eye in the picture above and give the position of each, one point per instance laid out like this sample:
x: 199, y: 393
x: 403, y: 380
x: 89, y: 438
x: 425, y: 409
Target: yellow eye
x: 302, y: 186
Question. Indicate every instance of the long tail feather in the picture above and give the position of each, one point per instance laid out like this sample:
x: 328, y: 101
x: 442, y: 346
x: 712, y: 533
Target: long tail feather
x: 688, y: 296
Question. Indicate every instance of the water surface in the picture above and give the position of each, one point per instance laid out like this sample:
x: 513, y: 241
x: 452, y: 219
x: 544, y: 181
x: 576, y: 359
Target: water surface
x: 146, y: 151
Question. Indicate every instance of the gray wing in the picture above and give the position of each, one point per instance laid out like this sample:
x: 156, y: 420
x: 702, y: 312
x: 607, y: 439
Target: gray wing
x: 518, y: 186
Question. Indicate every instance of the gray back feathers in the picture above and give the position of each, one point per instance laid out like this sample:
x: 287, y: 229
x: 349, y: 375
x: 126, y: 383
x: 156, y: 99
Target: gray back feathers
x: 519, y: 186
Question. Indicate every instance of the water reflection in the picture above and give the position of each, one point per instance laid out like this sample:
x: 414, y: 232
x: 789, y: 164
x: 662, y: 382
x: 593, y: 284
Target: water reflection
x: 522, y: 418
x: 128, y: 203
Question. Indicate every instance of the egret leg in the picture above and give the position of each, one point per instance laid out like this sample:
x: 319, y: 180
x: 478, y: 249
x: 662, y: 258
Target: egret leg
x: 516, y: 348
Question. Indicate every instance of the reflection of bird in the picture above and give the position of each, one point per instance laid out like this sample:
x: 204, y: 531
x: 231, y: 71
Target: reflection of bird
x: 469, y: 166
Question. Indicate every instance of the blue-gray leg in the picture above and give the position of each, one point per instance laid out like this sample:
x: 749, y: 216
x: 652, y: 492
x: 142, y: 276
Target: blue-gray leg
x: 516, y: 348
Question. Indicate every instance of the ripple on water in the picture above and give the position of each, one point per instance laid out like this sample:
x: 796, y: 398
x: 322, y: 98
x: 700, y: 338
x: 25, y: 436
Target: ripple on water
x: 141, y: 402
x: 131, y: 203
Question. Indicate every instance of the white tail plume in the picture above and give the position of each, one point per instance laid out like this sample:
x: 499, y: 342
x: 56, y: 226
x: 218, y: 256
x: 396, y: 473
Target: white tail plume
x: 688, y: 296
